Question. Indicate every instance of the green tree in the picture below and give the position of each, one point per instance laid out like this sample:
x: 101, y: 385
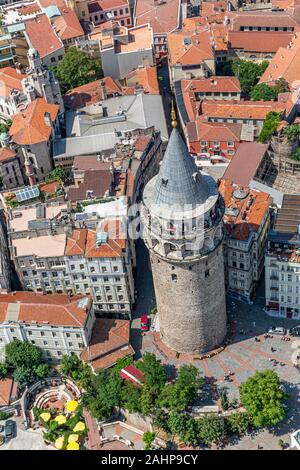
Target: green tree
x: 22, y: 353
x: 4, y: 126
x: 104, y: 395
x: 41, y: 371
x: 131, y: 397
x: 154, y: 371
x: 292, y: 132
x: 76, y: 69
x: 211, y: 429
x: 184, y: 426
x: 70, y: 364
x: 296, y: 155
x: 269, y: 127
x: 58, y: 174
x: 281, y: 86
x: 3, y: 371
x: 148, y: 399
x: 181, y: 394
x: 238, y: 422
x: 148, y: 438
x: 264, y: 92
x: 248, y: 73
x: 263, y: 398
x: 24, y: 375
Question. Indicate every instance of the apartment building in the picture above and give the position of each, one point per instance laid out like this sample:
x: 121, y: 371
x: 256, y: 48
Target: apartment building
x: 11, y: 170
x: 53, y: 253
x: 123, y: 50
x: 162, y: 16
x: 5, y: 270
x: 191, y: 55
x: 101, y: 264
x: 252, y: 113
x: 246, y: 223
x: 105, y: 10
x: 213, y: 140
x: 55, y: 323
x: 32, y: 132
x: 282, y: 261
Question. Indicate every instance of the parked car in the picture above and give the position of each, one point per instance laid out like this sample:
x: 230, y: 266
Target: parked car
x: 10, y: 429
x: 144, y: 323
x: 295, y: 331
x: 277, y: 330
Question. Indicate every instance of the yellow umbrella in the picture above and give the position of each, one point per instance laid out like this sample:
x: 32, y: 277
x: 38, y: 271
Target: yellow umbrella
x: 73, y: 446
x: 73, y: 438
x: 60, y: 419
x: 59, y: 443
x: 71, y: 406
x: 45, y: 416
x: 80, y: 426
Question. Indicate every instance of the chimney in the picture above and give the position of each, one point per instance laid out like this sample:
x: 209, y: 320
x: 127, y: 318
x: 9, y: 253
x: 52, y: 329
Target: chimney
x: 103, y: 90
x: 47, y: 119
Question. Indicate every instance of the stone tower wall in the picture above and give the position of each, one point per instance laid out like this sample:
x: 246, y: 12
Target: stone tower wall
x: 191, y: 309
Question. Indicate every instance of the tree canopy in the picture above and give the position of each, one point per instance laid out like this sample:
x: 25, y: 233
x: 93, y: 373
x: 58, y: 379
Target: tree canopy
x: 269, y: 127
x: 292, y: 132
x: 264, y: 92
x: 27, y: 362
x: 154, y: 372
x: 179, y: 395
x: 263, y: 398
x: 212, y: 429
x: 76, y: 68
x: 248, y: 73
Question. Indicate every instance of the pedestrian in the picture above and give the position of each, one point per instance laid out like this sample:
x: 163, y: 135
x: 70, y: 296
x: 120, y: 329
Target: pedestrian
x: 254, y: 324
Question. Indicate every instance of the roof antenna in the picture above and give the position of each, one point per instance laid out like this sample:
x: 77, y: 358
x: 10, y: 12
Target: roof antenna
x: 173, y: 116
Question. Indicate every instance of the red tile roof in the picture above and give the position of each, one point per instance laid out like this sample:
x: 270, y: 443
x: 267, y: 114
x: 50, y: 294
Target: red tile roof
x: 103, y: 5
x: 109, y: 342
x: 89, y: 162
x: 244, y: 164
x: 29, y: 127
x: 6, y: 386
x: 249, y: 216
x: 10, y: 79
x: 114, y: 246
x: 198, y: 50
x: 97, y: 181
x: 85, y: 240
x: 132, y: 374
x: 285, y: 64
x: 210, y: 131
x: 144, y: 77
x: 76, y: 243
x: 257, y: 41
x: 6, y: 154
x: 90, y: 93
x: 56, y: 309
x: 211, y: 84
x: 42, y: 36
x: 162, y: 17
x: 261, y: 18
x: 239, y: 109
x: 67, y: 25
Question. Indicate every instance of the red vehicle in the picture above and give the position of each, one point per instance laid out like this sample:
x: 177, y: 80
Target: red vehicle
x: 144, y: 323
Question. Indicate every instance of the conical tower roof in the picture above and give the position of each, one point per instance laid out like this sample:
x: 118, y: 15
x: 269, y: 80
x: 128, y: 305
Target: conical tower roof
x: 179, y: 180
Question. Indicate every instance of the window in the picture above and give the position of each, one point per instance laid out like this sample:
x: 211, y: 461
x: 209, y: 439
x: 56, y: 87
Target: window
x: 230, y: 143
x: 116, y: 269
x: 174, y: 277
x: 92, y: 269
x: 81, y: 266
x: 207, y: 273
x: 104, y: 269
x: 53, y: 59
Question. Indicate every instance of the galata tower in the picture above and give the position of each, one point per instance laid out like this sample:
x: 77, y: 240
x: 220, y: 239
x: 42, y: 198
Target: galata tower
x: 182, y: 228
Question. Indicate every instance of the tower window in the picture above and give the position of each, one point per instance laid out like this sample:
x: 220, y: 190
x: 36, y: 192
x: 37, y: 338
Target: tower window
x: 207, y: 273
x: 174, y: 277
x: 190, y: 268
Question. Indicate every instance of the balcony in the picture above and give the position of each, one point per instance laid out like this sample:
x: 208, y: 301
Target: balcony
x: 274, y: 277
x: 276, y: 288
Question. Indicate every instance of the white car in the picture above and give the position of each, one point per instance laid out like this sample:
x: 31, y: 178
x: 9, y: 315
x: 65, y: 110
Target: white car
x: 277, y: 330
